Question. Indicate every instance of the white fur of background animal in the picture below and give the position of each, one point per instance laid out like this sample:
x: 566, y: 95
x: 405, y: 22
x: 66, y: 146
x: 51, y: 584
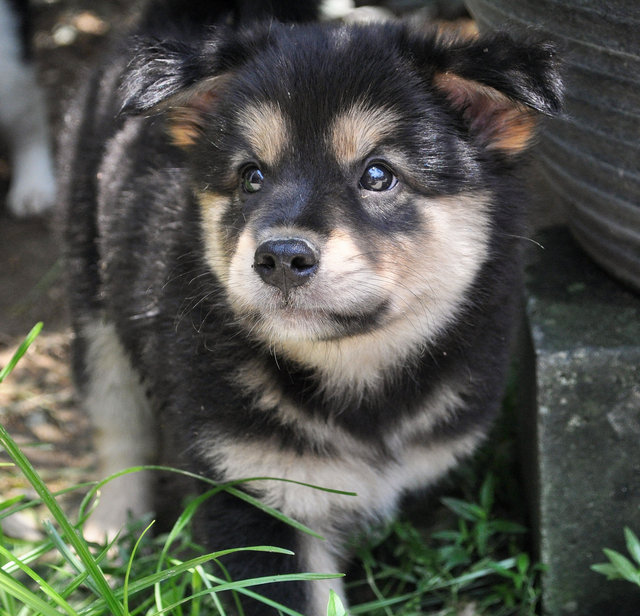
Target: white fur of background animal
x: 23, y: 123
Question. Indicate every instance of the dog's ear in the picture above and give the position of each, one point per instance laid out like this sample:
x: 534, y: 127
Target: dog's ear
x: 180, y: 80
x: 499, y: 86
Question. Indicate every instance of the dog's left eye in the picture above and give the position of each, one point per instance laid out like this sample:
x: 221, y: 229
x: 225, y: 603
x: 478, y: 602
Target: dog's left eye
x: 378, y: 177
x: 252, y: 179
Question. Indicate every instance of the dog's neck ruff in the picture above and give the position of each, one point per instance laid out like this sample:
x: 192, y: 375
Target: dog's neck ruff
x: 360, y: 364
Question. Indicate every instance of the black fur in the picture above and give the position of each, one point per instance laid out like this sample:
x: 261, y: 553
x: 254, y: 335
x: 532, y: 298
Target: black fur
x: 136, y: 242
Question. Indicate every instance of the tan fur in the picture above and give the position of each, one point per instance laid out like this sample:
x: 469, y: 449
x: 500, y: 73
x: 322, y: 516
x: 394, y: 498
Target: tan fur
x: 356, y: 132
x: 341, y: 284
x: 378, y: 489
x: 188, y: 110
x: 503, y: 124
x: 356, y: 470
x: 184, y: 126
x: 264, y: 125
x: 460, y: 90
x: 212, y: 206
x: 517, y: 130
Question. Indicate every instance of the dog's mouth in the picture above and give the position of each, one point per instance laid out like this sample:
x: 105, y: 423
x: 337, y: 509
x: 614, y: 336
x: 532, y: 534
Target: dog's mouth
x: 288, y: 321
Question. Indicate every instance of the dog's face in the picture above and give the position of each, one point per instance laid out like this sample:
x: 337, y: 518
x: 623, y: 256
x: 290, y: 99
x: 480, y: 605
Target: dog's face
x: 344, y: 182
x: 331, y: 211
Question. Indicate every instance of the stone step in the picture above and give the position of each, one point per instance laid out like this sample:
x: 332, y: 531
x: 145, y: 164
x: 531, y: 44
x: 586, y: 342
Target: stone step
x: 581, y: 430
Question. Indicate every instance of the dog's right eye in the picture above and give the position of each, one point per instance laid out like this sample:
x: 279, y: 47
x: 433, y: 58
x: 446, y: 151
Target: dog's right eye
x: 252, y: 179
x: 378, y: 177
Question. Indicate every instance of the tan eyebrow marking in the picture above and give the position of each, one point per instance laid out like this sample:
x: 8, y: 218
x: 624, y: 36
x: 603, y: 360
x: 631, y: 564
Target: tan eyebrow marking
x: 266, y: 129
x: 357, y: 131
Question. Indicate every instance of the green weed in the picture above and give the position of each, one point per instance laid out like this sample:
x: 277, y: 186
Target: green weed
x: 619, y: 566
x: 476, y: 562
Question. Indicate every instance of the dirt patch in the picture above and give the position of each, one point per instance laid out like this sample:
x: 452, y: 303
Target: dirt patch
x: 37, y: 402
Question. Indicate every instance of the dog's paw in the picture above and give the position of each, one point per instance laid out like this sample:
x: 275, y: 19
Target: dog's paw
x: 123, y: 498
x: 33, y: 188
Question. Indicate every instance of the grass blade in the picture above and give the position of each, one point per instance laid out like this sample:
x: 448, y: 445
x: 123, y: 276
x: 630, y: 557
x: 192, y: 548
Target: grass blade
x: 167, y: 574
x: 127, y: 575
x: 229, y: 487
x: 335, y: 607
x: 69, y: 532
x: 68, y: 555
x: 12, y: 501
x: 247, y: 498
x: 177, y: 528
x: 22, y: 349
x: 250, y: 582
x: 14, y: 588
x: 46, y: 588
x: 30, y: 504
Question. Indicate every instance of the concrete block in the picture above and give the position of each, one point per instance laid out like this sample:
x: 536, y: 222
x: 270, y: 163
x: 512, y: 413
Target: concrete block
x: 583, y: 432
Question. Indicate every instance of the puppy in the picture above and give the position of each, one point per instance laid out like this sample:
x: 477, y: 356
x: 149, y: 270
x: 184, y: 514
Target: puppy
x: 23, y: 120
x: 293, y: 253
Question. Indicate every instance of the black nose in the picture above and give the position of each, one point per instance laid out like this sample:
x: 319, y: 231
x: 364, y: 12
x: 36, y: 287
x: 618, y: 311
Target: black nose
x: 286, y: 263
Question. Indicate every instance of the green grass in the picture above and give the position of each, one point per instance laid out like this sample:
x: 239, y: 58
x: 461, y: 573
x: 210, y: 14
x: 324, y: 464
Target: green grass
x: 473, y: 557
x: 136, y: 574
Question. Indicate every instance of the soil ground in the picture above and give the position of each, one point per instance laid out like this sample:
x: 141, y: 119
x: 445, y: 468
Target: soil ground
x: 37, y: 401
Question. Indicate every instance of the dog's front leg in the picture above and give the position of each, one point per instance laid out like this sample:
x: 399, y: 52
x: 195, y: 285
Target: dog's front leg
x: 227, y: 522
x: 122, y: 430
